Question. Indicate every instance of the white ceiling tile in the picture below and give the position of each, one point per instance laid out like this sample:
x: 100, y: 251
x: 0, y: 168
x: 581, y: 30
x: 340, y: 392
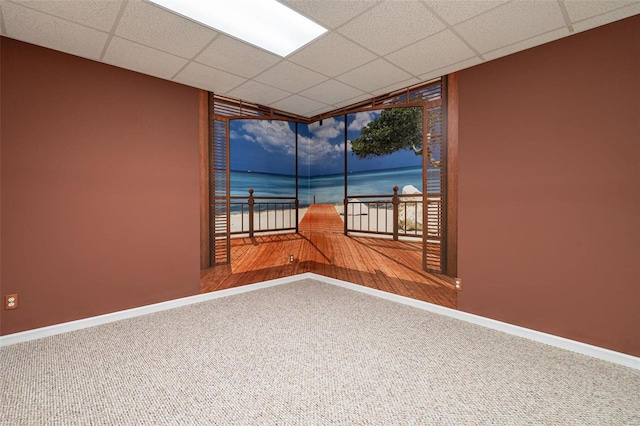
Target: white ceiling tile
x: 581, y: 9
x: 450, y: 68
x: 298, y: 105
x: 330, y: 13
x: 155, y: 27
x: 154, y: 41
x: 236, y: 57
x: 456, y: 11
x: 392, y: 25
x: 513, y: 22
x: 291, y: 77
x: 319, y: 111
x: 45, y: 30
x: 615, y: 15
x: 526, y: 44
x: 259, y: 93
x: 99, y: 14
x: 332, y: 55
x: 352, y: 101
x: 443, y: 49
x: 203, y: 77
x: 2, y: 26
x: 374, y: 76
x: 136, y: 57
x: 397, y: 86
x: 331, y: 92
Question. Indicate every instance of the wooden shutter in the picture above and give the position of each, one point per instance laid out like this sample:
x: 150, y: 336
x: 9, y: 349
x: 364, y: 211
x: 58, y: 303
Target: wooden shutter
x: 219, y: 188
x: 434, y: 183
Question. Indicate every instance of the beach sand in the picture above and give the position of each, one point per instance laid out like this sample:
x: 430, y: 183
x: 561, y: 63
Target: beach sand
x: 362, y: 217
x: 279, y: 219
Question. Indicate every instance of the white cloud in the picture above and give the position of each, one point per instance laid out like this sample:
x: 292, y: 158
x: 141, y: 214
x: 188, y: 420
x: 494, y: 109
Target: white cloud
x: 349, y: 148
x: 276, y: 136
x: 330, y: 128
x: 272, y: 135
x: 361, y: 120
x: 318, y: 151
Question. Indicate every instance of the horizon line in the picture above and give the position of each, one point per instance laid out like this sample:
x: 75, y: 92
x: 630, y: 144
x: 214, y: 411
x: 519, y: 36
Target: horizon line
x: 330, y: 174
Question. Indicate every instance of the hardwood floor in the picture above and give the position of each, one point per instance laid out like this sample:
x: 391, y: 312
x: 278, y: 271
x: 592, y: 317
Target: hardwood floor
x: 320, y: 247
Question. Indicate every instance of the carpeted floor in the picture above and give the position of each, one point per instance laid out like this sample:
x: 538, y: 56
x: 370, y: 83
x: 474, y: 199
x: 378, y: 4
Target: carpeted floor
x: 307, y: 353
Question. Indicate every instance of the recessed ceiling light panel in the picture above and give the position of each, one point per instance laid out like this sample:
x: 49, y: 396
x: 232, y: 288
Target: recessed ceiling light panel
x: 264, y: 23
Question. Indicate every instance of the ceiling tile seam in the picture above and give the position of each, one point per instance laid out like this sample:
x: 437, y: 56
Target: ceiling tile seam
x: 419, y: 41
x: 442, y: 68
x: 353, y: 100
x: 454, y: 31
x: 359, y: 45
x: 3, y: 28
x: 630, y: 5
x: 57, y: 17
x: 281, y: 60
x: 355, y: 68
x: 314, y: 100
x: 384, y: 91
x: 152, y: 48
x: 351, y: 69
x: 483, y: 12
x: 323, y: 82
x: 314, y: 113
x: 399, y: 67
x: 373, y: 6
x: 565, y: 15
x: 569, y: 28
x: 287, y: 60
x: 309, y: 99
x: 112, y: 32
x: 524, y: 40
x: 193, y: 59
x: 247, y: 80
x: 464, y: 40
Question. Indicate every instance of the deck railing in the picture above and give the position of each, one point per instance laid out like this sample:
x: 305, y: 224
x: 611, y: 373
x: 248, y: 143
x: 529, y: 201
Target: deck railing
x: 255, y: 214
x: 393, y: 214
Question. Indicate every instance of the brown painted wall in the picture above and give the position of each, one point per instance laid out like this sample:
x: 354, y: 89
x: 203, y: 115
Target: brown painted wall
x: 100, y: 206
x: 549, y: 195
x: 2, y: 293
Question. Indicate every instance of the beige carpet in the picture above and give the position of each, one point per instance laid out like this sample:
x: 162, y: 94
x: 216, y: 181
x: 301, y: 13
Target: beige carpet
x: 307, y: 353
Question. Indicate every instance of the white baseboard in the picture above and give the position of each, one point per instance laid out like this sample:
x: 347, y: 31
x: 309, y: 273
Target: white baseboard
x: 538, y: 336
x: 52, y: 330
x: 549, y: 339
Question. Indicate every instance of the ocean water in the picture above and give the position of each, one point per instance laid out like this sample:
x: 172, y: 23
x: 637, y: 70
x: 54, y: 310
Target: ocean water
x: 325, y: 189
x: 263, y: 184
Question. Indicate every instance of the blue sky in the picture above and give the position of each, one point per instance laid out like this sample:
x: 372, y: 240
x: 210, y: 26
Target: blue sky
x: 265, y: 146
x: 268, y: 146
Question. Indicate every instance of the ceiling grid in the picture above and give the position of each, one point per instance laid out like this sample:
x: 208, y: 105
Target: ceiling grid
x: 373, y: 47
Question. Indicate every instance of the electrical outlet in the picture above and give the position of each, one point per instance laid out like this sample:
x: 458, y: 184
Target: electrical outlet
x: 11, y: 301
x: 290, y: 258
x: 458, y: 282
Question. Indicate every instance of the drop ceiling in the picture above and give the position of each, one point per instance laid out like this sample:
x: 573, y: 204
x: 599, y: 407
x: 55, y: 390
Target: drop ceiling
x: 371, y: 48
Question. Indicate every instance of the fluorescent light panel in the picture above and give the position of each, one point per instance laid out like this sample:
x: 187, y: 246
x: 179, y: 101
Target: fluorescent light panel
x: 264, y: 23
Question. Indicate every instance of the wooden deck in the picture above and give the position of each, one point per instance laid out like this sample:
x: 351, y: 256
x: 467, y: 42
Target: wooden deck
x: 321, y: 218
x: 320, y: 247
